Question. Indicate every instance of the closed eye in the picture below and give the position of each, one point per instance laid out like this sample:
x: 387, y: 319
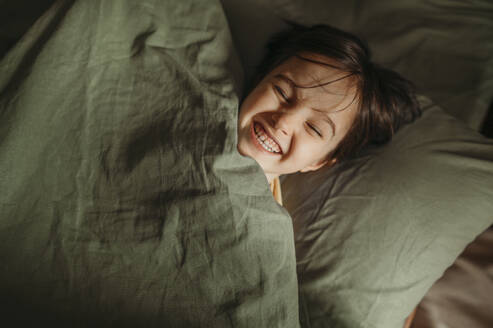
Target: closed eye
x: 314, y: 129
x: 281, y: 92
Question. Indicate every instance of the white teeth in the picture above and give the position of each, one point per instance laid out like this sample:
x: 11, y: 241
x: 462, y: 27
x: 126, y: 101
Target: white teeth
x: 266, y: 142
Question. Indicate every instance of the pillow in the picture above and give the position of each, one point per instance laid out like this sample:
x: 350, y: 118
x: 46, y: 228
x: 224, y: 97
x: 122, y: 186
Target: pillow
x: 444, y: 47
x: 249, y: 38
x: 374, y: 233
x: 124, y: 200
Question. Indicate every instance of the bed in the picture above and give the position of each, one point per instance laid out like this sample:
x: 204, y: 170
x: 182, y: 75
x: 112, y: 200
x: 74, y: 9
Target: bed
x: 125, y: 203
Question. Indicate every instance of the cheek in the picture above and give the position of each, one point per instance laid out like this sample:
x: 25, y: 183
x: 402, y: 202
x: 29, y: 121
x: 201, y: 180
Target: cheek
x: 257, y: 101
x: 316, y: 151
x: 306, y: 149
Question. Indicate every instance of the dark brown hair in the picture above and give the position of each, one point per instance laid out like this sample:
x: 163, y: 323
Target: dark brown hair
x: 386, y: 99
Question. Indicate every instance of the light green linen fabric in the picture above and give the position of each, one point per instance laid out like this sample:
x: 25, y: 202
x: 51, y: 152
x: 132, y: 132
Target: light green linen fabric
x: 123, y: 199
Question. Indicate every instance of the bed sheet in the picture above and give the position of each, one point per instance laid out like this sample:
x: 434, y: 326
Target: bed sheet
x: 124, y: 202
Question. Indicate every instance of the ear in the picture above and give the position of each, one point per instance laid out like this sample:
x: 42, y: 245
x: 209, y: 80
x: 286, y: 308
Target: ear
x: 319, y: 165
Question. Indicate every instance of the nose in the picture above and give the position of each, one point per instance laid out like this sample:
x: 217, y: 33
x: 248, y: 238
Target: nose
x: 285, y: 120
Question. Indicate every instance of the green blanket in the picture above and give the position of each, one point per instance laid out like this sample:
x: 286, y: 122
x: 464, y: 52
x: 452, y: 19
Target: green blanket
x: 123, y: 200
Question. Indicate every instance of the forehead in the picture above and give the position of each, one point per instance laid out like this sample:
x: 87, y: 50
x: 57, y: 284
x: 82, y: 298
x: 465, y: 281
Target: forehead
x: 310, y: 69
x: 319, y: 80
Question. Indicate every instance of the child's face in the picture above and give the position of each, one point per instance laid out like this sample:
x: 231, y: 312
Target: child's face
x: 301, y: 126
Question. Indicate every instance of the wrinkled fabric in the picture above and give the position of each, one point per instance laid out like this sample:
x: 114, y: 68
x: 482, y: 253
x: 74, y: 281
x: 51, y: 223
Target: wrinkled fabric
x: 123, y: 199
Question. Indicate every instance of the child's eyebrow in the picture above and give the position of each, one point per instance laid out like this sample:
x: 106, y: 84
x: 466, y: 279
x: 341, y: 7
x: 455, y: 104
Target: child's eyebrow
x: 326, y: 116
x: 287, y: 79
x: 294, y: 85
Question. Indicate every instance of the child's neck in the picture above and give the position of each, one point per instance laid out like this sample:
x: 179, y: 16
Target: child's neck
x: 271, y: 177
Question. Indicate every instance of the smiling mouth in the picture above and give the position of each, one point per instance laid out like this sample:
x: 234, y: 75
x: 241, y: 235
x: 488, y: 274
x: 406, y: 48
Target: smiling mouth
x: 264, y: 140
